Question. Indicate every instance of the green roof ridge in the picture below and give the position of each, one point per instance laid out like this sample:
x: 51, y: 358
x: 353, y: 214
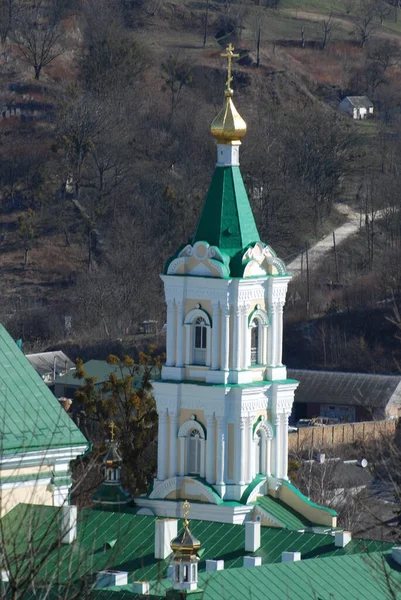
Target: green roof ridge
x: 227, y: 220
x: 287, y: 516
x: 255, y: 482
x: 31, y: 416
x: 307, y: 500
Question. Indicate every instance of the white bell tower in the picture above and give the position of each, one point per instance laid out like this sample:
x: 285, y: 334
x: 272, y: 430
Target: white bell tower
x: 224, y: 398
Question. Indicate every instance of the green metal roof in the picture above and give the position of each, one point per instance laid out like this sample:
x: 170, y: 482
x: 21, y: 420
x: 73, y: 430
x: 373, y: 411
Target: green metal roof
x: 134, y: 548
x: 31, y: 417
x: 287, y: 516
x: 226, y: 220
x: 100, y: 369
x: 111, y: 493
x: 358, y: 577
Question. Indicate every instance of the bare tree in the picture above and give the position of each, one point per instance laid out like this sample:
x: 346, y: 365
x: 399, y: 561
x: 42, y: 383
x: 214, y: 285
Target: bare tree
x: 365, y: 23
x: 383, y: 10
x: 328, y: 27
x: 26, y: 230
x: 38, y: 34
x: 6, y: 18
x: 111, y: 59
x: 385, y: 52
x: 176, y: 74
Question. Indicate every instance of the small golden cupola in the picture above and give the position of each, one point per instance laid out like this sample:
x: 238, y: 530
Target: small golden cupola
x: 228, y: 127
x: 185, y: 558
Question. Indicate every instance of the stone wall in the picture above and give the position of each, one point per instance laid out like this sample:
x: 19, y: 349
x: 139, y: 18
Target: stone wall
x: 335, y: 435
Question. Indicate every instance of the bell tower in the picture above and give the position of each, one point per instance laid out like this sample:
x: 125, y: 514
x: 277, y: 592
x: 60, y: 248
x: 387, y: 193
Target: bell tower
x: 224, y: 398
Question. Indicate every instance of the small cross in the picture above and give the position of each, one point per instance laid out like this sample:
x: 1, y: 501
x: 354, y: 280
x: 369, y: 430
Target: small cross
x: 185, y: 507
x: 112, y: 427
x: 229, y: 55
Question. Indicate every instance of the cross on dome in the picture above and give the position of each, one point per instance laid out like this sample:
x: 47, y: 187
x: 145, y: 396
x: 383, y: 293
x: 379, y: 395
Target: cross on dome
x: 229, y: 55
x: 229, y: 127
x: 112, y: 427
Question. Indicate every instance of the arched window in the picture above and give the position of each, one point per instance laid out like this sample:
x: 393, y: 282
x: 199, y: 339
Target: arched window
x: 194, y: 451
x: 255, y: 358
x: 258, y: 452
x: 262, y: 438
x: 200, y: 341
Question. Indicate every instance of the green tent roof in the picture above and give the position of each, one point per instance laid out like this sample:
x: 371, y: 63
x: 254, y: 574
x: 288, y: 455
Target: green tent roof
x: 31, y: 417
x: 226, y: 220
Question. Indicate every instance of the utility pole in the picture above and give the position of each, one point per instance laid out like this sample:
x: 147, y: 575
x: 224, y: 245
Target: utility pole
x: 335, y: 256
x: 307, y: 280
x: 206, y: 23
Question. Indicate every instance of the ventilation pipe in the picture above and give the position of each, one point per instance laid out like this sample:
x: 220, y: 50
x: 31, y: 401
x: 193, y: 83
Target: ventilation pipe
x: 141, y: 587
x: 252, y: 536
x: 214, y: 565
x: 342, y: 538
x: 252, y: 561
x: 165, y: 532
x: 290, y: 557
x: 111, y: 578
x: 69, y: 515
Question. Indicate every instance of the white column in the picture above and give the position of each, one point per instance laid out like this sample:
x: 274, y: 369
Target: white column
x: 284, y: 457
x: 237, y: 338
x: 180, y: 335
x: 225, y: 339
x: 162, y: 446
x: 210, y: 449
x: 170, y: 334
x: 188, y: 348
x: 202, y: 458
x: 279, y: 326
x: 240, y: 458
x: 173, y: 444
x: 263, y: 336
x: 268, y: 471
x: 251, y: 449
x: 272, y: 337
x: 277, y: 446
x: 216, y: 335
x: 246, y: 346
x: 208, y: 345
x: 220, y: 451
x: 181, y: 441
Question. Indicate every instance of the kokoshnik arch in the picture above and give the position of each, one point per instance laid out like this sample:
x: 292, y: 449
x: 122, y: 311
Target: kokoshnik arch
x: 224, y: 398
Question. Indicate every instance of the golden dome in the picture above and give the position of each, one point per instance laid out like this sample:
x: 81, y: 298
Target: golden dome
x: 228, y: 126
x: 185, y: 542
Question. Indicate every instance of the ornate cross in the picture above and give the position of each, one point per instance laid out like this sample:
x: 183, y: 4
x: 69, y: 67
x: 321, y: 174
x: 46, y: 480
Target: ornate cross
x: 112, y: 427
x: 185, y: 508
x: 229, y: 55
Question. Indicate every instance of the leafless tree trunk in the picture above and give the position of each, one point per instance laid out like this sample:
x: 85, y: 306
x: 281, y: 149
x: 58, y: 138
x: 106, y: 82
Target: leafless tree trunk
x: 327, y: 30
x: 38, y: 34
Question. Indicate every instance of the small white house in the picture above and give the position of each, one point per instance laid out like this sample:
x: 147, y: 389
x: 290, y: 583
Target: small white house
x: 358, y: 107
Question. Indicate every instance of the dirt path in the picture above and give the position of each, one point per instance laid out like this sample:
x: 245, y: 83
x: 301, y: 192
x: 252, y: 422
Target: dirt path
x: 318, y: 252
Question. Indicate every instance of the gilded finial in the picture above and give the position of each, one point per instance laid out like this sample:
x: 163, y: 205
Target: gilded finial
x: 112, y: 427
x: 228, y: 127
x: 185, y: 508
x: 229, y: 55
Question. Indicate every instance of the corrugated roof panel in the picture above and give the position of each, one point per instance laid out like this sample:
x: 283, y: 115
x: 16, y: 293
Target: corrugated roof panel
x: 33, y: 415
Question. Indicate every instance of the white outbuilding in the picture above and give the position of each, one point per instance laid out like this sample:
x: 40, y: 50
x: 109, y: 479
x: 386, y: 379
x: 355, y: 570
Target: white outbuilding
x: 358, y: 107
